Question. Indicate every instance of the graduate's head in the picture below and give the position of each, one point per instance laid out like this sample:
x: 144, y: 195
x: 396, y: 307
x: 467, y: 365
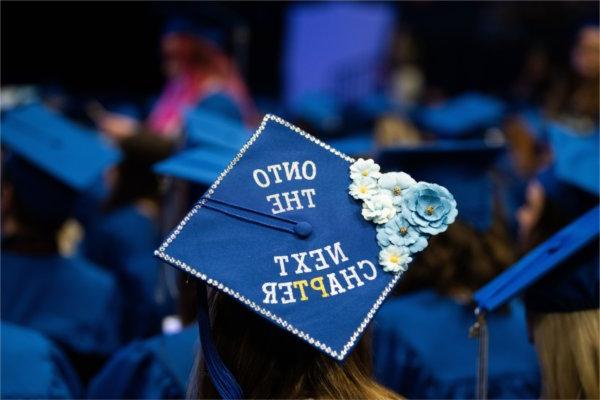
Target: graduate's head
x: 476, y: 247
x: 186, y: 45
x: 585, y: 56
x: 302, y: 244
x: 559, y: 282
x: 49, y: 161
x: 564, y: 321
x: 34, y: 203
x: 271, y: 363
x: 133, y: 179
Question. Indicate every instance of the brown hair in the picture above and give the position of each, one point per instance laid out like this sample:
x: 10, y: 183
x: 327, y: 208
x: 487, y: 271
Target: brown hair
x: 568, y: 357
x: 461, y: 260
x: 271, y: 363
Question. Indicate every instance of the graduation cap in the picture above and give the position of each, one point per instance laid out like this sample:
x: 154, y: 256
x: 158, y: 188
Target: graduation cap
x: 52, y: 159
x: 462, y: 116
x: 540, y: 261
x: 203, y: 127
x: 560, y: 275
x: 306, y: 237
x: 462, y: 166
x: 199, y: 165
x: 576, y: 156
x: 355, y: 145
x: 64, y: 150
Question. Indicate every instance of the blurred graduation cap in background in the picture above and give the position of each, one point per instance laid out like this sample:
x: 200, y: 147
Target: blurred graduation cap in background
x: 567, y: 286
x: 66, y: 151
x: 206, y: 128
x: 462, y: 166
x: 359, y: 144
x: 319, y: 112
x: 560, y: 275
x: 52, y: 159
x: 198, y: 165
x: 463, y: 116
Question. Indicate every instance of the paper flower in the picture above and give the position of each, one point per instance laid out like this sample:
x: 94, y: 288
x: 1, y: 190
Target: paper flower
x: 429, y: 207
x: 379, y: 208
x: 365, y: 169
x: 399, y: 232
x: 395, y: 183
x: 394, y: 258
x: 363, y: 188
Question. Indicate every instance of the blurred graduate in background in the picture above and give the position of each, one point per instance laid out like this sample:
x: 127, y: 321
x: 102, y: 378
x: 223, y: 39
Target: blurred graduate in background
x: 33, y: 367
x: 123, y: 237
x: 199, y: 75
x: 421, y: 344
x: 48, y: 162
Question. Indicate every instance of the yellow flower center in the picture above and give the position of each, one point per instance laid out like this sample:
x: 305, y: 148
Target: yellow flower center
x: 394, y: 259
x: 365, y: 173
x: 403, y: 230
x: 397, y: 191
x: 363, y: 189
x: 429, y: 210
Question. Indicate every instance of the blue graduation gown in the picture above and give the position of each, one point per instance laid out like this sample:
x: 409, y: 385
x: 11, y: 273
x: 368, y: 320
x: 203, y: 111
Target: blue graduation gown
x: 123, y: 242
x: 156, y: 368
x: 33, y: 367
x: 69, y: 300
x: 422, y: 350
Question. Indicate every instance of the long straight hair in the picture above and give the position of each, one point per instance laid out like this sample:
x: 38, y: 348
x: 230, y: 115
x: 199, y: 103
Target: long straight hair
x: 271, y: 363
x: 568, y: 357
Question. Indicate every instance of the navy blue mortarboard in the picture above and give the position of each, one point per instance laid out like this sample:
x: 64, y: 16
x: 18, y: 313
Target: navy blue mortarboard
x: 67, y: 152
x: 576, y: 157
x: 203, y: 127
x: 577, y: 283
x: 461, y: 116
x: 462, y: 166
x: 283, y: 231
x: 199, y: 165
x: 53, y: 160
x: 355, y: 145
x: 559, y: 275
x: 323, y: 112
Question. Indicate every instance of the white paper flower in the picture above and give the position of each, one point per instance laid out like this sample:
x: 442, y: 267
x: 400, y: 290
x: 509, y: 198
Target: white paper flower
x: 365, y: 169
x: 363, y: 188
x: 379, y: 208
x: 394, y: 258
x: 395, y: 183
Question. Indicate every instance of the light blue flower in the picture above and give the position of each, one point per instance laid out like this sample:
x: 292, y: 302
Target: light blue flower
x: 429, y: 207
x: 400, y: 233
x: 395, y: 183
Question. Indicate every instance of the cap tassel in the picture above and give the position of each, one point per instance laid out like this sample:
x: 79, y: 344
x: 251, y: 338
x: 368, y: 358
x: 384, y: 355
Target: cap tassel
x: 220, y: 376
x: 479, y: 330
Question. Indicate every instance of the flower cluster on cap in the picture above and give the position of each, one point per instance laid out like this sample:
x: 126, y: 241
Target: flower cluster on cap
x: 406, y: 212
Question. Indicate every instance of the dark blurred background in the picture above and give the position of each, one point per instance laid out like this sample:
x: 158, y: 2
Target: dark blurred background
x: 112, y: 47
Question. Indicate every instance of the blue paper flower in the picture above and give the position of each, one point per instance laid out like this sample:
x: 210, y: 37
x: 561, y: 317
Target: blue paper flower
x: 429, y: 207
x: 400, y: 233
x: 395, y: 183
